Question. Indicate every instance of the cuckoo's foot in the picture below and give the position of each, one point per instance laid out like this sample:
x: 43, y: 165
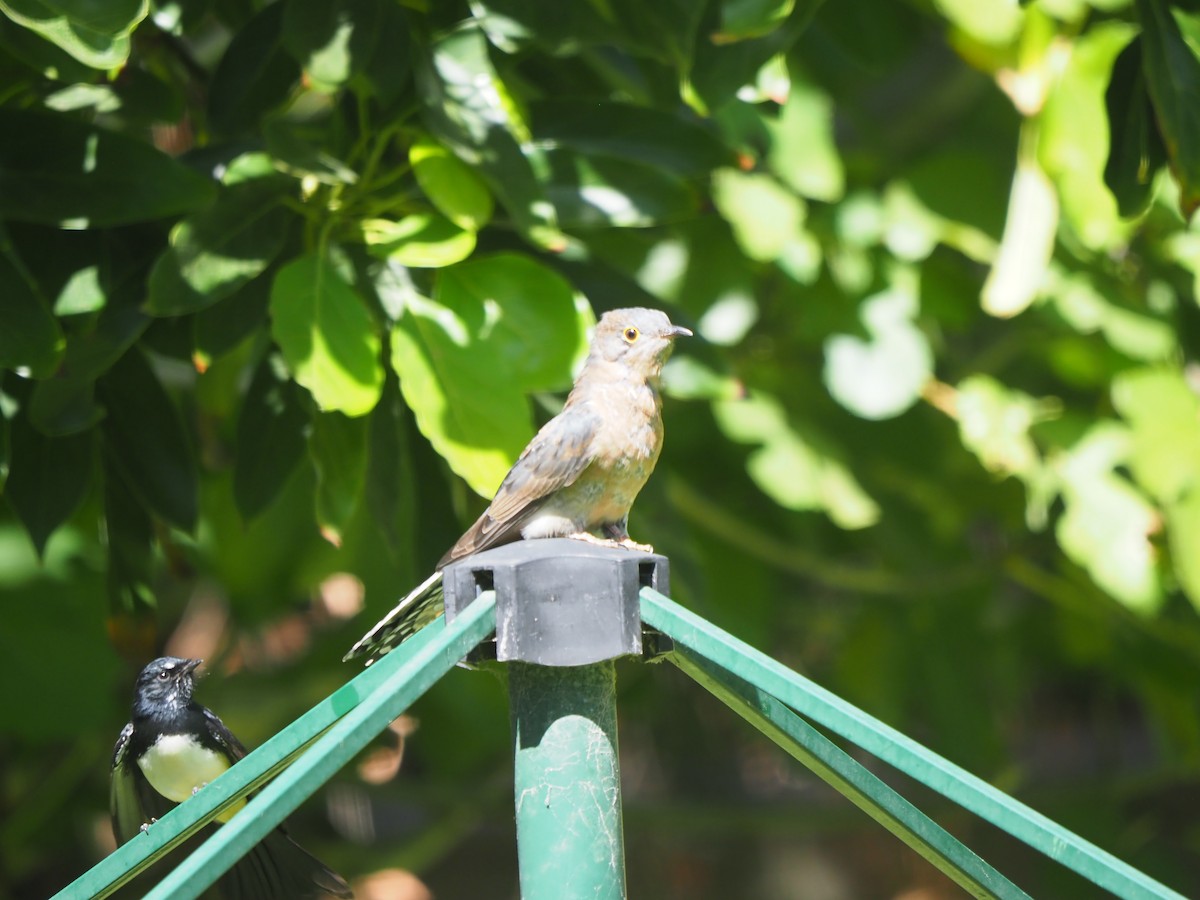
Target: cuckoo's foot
x: 588, y: 538
x: 630, y: 544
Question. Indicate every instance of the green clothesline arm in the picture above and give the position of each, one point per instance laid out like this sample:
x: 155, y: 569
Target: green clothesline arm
x: 706, y: 641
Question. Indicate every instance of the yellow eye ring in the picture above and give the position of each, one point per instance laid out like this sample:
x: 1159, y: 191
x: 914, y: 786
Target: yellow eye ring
x: 630, y: 334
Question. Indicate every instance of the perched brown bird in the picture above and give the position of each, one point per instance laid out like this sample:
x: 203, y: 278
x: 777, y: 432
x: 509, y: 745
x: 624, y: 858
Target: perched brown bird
x: 579, y: 475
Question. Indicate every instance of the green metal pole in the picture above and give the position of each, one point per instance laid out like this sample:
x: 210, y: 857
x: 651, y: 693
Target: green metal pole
x: 567, y: 781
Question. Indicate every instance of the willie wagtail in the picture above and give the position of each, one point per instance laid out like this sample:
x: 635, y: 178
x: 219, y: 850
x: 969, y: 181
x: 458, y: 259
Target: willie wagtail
x: 170, y: 749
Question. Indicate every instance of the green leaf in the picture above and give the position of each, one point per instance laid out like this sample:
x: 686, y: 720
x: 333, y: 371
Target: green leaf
x: 764, y: 215
x: 802, y: 151
x: 145, y: 439
x: 387, y: 72
x: 1164, y: 415
x: 390, y: 480
x: 1027, y: 245
x: 1107, y: 525
x: 599, y: 192
x: 1074, y: 136
x: 296, y: 148
x: 422, y: 240
x: 450, y: 184
x: 65, y: 404
x: 272, y: 432
x: 1137, y: 151
x: 470, y: 110
x: 467, y: 403
x: 337, y: 447
x: 8, y: 408
x: 327, y: 336
x: 536, y: 326
x: 48, y: 477
x: 797, y: 468
x: 1173, y: 80
x: 995, y: 22
x: 59, y: 171
x: 881, y: 377
x: 129, y: 535
x: 994, y: 423
x: 1183, y: 534
x: 497, y: 328
x: 214, y: 253
x: 46, y: 58
x: 634, y: 133
x: 222, y: 327
x: 255, y: 75
x: 96, y: 34
x: 30, y: 337
x: 332, y: 41
x: 741, y: 19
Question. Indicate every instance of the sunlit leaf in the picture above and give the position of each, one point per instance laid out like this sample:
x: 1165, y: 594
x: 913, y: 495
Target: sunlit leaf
x: 752, y: 18
x: 795, y: 468
x: 332, y: 41
x: 764, y: 214
x: 802, y: 152
x: 1107, y: 525
x: 599, y: 192
x: 881, y: 377
x: 214, y: 253
x: 327, y: 336
x: 451, y: 185
x: 1163, y: 413
x: 1027, y: 245
x: 422, y: 240
x: 994, y: 422
x: 96, y: 34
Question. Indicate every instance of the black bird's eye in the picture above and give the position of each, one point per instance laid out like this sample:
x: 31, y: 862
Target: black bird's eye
x: 164, y: 675
x: 630, y: 334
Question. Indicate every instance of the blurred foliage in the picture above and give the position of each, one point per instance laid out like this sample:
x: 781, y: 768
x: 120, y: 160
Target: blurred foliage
x: 285, y: 287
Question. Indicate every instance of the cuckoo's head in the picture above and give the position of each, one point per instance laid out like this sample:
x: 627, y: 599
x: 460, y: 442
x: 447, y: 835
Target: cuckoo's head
x: 639, y: 338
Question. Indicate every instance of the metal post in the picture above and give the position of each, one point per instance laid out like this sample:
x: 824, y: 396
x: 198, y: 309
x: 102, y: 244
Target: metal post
x: 570, y: 844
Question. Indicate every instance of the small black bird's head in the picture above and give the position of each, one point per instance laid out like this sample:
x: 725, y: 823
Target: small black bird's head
x: 165, y: 684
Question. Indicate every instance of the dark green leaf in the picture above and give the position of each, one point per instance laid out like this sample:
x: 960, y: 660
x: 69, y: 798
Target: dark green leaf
x: 255, y: 75
x: 129, y: 534
x: 332, y: 41
x: 337, y: 447
x: 8, y: 408
x: 634, y: 133
x: 1173, y: 80
x: 296, y: 148
x: 220, y: 328
x: 65, y: 404
x: 29, y: 334
x: 42, y: 56
x: 719, y: 71
x: 390, y: 480
x: 469, y: 109
x: 271, y: 437
x: 60, y: 171
x: 48, y: 477
x: 96, y: 34
x: 145, y: 439
x: 604, y: 192
x: 215, y: 252
x: 742, y: 19
x: 327, y: 335
x: 390, y: 65
x: 1137, y: 150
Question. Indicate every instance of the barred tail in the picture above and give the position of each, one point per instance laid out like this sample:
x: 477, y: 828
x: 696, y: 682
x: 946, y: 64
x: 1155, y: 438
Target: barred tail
x: 422, y: 605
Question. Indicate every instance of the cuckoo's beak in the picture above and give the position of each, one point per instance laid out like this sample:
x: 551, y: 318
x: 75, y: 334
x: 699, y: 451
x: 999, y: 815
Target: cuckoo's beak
x: 678, y: 331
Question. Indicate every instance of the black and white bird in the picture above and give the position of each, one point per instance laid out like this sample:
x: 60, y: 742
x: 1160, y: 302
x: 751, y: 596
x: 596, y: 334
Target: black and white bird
x: 170, y: 749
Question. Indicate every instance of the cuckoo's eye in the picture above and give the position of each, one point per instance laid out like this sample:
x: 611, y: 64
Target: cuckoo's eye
x: 630, y: 334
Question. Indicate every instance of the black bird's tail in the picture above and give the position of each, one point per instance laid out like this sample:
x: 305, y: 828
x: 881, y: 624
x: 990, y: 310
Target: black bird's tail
x: 278, y: 868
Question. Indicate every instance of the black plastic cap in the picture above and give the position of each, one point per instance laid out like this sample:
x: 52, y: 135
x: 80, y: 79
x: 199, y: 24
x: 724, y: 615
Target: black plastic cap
x: 559, y: 602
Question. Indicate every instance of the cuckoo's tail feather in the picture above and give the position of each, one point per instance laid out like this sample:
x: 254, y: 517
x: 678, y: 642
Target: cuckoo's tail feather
x: 419, y: 607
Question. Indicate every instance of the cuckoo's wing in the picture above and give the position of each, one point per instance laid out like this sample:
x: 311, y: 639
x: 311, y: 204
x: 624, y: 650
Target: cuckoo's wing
x: 554, y: 459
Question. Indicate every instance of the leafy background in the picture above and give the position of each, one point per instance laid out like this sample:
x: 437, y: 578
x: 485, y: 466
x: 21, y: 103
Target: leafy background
x: 285, y: 287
